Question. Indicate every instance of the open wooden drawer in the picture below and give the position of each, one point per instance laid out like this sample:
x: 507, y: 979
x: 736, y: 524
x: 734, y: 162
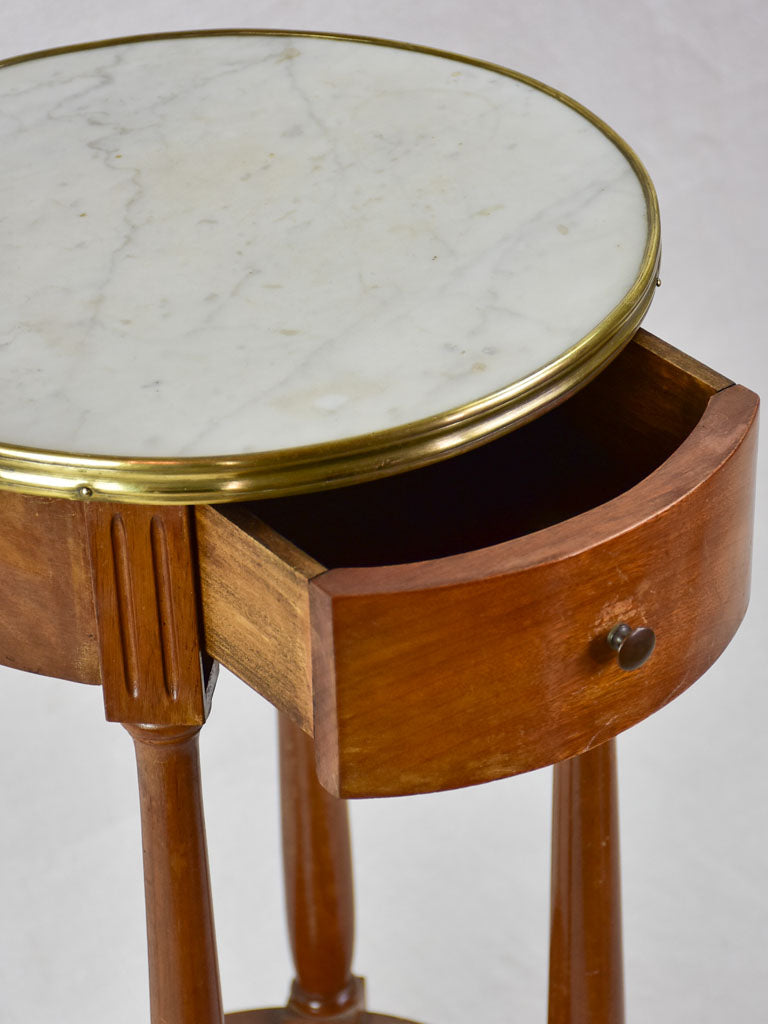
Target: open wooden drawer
x: 448, y: 626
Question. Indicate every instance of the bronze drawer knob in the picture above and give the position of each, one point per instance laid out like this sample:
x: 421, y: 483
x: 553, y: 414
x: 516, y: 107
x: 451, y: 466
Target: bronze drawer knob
x: 634, y: 646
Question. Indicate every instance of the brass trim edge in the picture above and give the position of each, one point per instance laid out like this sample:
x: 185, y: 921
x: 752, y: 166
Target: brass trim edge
x: 226, y: 478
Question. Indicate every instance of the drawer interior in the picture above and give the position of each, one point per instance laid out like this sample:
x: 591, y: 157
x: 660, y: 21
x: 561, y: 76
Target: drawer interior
x: 425, y: 642
x: 594, y: 446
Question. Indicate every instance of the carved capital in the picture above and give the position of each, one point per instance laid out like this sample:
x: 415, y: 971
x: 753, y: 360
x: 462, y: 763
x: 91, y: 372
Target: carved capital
x: 145, y: 588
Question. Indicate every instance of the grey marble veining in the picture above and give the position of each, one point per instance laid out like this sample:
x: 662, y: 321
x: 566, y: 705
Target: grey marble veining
x: 239, y: 244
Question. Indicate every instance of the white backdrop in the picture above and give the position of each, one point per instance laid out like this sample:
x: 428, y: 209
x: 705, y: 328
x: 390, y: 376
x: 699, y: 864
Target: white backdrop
x: 452, y: 889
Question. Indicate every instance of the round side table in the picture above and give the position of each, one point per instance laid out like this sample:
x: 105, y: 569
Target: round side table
x: 326, y: 366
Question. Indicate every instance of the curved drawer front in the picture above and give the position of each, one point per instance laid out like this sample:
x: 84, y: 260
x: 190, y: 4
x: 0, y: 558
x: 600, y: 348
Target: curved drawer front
x: 481, y: 665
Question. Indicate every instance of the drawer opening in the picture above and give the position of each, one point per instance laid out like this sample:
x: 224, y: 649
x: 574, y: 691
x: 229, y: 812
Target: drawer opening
x: 596, y: 445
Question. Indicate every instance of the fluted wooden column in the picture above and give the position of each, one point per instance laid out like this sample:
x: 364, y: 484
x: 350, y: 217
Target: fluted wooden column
x: 158, y: 683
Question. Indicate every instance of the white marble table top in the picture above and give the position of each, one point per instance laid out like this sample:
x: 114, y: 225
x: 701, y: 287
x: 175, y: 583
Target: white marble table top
x: 231, y: 245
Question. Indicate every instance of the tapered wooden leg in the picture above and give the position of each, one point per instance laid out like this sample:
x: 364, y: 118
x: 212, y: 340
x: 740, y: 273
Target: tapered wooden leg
x: 183, y: 967
x: 586, y: 984
x: 318, y: 884
x: 319, y: 900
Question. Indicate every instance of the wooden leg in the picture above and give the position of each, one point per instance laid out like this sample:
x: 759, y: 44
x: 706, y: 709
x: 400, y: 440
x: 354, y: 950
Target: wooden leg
x: 586, y: 984
x: 183, y: 966
x: 318, y: 885
x: 318, y: 895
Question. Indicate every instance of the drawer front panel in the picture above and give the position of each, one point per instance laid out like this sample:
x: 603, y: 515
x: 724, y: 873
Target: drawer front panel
x: 483, y: 665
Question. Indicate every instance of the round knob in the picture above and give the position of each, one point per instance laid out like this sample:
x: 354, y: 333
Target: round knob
x: 634, y: 646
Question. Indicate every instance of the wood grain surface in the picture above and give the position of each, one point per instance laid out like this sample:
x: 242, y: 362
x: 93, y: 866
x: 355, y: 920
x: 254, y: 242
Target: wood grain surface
x: 586, y: 975
x: 472, y: 667
x: 145, y: 590
x: 47, y: 614
x: 183, y: 962
x: 319, y: 897
x: 459, y: 631
x: 434, y: 630
x: 255, y: 602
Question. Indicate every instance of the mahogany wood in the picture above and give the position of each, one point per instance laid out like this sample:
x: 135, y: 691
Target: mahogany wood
x: 660, y: 392
x: 47, y: 615
x: 183, y: 967
x: 586, y: 983
x: 637, y: 412
x: 468, y: 668
x: 144, y: 583
x: 256, y: 606
x: 631, y: 502
x: 435, y: 630
x: 318, y: 886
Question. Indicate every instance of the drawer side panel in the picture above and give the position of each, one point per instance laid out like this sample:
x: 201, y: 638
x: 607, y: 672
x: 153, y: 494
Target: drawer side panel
x: 256, y: 607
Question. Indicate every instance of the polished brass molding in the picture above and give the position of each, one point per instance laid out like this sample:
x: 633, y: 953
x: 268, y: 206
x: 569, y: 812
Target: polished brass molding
x: 209, y: 479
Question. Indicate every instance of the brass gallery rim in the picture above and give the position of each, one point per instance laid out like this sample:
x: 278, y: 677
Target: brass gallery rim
x: 123, y: 478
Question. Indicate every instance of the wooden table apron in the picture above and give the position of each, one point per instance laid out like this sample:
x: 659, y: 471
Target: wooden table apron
x: 411, y: 677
